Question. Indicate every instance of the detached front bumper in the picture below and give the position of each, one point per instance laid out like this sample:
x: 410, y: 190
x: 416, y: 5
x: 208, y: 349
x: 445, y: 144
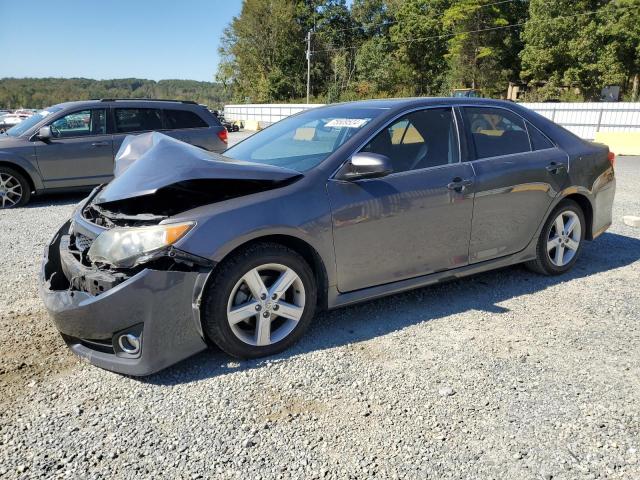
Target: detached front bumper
x: 160, y: 307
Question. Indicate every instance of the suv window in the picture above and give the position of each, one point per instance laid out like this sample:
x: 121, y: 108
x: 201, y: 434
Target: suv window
x: 495, y: 131
x: 177, y: 119
x: 137, y: 119
x: 539, y: 141
x: 80, y: 124
x: 418, y: 140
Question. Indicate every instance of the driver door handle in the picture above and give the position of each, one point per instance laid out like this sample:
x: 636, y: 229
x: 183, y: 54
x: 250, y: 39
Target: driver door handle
x: 458, y: 184
x: 555, y: 168
x: 100, y: 144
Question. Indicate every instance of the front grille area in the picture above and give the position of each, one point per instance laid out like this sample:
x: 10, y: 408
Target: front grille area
x: 82, y: 242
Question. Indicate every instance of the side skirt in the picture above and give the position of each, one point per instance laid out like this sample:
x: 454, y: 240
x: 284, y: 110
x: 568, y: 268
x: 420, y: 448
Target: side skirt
x: 337, y: 299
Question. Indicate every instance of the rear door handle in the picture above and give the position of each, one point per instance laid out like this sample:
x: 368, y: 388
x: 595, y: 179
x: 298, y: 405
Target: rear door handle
x: 100, y: 144
x: 458, y: 184
x: 555, y: 168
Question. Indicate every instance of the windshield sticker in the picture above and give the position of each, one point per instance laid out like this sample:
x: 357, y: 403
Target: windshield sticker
x: 346, y: 122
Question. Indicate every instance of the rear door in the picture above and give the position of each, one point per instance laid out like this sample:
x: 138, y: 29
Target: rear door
x: 79, y: 152
x: 518, y: 173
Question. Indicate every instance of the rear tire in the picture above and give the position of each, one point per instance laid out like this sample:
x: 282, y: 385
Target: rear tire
x: 240, y: 314
x: 560, y: 240
x: 15, y: 190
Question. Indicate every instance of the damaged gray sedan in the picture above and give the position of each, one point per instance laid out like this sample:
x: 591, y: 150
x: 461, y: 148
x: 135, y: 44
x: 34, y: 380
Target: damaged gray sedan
x: 186, y: 248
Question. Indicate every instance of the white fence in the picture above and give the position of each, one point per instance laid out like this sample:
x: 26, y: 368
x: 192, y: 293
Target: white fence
x: 267, y: 113
x: 583, y: 119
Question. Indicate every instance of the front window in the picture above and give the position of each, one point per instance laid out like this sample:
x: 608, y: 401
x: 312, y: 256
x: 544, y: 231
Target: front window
x: 303, y: 141
x: 80, y: 124
x: 33, y: 120
x: 422, y: 139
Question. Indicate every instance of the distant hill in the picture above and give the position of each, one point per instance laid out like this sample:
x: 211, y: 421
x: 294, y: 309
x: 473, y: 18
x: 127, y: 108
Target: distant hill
x: 42, y: 92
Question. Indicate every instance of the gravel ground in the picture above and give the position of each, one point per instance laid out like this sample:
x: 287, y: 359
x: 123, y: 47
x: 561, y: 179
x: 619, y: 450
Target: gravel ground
x: 502, y: 375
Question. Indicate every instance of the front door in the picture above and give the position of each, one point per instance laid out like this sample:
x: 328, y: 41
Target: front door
x: 518, y: 172
x: 412, y: 222
x: 79, y: 151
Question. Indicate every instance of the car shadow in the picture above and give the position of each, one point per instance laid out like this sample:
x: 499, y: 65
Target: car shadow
x: 380, y: 317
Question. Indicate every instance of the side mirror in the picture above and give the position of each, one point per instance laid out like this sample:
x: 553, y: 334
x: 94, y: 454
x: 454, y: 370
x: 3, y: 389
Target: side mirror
x: 44, y: 133
x: 365, y: 165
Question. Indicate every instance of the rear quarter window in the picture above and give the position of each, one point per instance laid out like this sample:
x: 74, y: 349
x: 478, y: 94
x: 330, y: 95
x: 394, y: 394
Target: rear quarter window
x: 539, y: 141
x: 178, y: 119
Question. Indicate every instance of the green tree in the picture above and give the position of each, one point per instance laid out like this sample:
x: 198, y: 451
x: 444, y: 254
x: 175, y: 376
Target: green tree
x: 375, y: 63
x: 420, y: 62
x: 481, y: 39
x: 43, y: 92
x: 584, y: 45
x: 621, y: 22
x: 263, y: 52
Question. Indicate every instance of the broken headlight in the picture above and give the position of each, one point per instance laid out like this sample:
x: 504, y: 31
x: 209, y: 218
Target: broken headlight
x: 126, y: 247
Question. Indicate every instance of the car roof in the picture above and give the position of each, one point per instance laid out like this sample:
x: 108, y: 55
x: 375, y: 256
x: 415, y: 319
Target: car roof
x: 158, y: 103
x: 423, y: 101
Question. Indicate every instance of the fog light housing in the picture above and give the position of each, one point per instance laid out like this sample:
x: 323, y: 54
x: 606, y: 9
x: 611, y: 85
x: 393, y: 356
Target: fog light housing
x: 128, y: 343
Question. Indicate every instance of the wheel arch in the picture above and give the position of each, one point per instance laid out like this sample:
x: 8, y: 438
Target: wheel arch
x: 21, y: 170
x: 303, y: 248
x: 587, y: 209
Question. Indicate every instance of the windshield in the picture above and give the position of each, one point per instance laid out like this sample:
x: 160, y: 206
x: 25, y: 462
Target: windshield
x: 303, y: 141
x: 27, y: 123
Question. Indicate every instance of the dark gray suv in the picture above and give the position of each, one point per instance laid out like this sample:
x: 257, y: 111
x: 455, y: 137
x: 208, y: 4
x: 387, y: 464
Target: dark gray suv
x: 71, y: 146
x: 334, y: 206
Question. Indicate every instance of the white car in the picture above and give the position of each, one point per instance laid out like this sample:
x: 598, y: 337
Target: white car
x: 10, y: 119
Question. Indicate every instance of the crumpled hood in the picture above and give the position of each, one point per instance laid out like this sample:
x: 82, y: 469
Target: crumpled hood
x: 152, y: 161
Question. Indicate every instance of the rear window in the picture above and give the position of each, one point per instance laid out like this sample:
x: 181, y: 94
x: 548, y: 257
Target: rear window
x: 137, y: 119
x: 495, y: 131
x: 177, y: 119
x: 538, y: 140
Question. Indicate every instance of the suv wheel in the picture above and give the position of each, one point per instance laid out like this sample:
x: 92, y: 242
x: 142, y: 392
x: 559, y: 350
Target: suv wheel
x: 260, y: 301
x: 15, y: 190
x: 560, y: 241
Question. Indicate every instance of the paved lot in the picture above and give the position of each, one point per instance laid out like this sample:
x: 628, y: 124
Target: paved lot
x: 503, y: 375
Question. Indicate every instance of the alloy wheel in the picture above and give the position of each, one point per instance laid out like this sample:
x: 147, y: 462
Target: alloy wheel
x: 564, y: 238
x: 266, y: 304
x: 10, y: 190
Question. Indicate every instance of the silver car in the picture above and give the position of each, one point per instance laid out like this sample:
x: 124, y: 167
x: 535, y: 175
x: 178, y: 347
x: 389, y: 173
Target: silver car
x: 71, y: 146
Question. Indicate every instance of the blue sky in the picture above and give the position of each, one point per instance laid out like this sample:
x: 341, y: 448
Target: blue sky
x: 152, y: 39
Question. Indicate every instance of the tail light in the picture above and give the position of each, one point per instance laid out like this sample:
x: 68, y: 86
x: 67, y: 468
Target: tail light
x: 612, y: 159
x: 222, y: 135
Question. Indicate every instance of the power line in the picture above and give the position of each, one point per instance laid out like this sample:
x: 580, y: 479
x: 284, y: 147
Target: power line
x: 448, y: 35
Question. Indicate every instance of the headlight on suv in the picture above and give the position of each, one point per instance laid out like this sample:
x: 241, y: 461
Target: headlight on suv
x: 126, y: 247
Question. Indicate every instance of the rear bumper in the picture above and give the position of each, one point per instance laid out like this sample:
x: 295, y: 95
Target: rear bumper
x: 160, y: 306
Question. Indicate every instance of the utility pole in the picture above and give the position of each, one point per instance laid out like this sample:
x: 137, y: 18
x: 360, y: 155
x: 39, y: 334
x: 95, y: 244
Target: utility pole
x: 308, y: 64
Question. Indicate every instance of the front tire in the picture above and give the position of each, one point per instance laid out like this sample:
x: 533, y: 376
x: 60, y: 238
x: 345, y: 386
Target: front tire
x: 15, y: 190
x: 260, y: 301
x: 560, y: 241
